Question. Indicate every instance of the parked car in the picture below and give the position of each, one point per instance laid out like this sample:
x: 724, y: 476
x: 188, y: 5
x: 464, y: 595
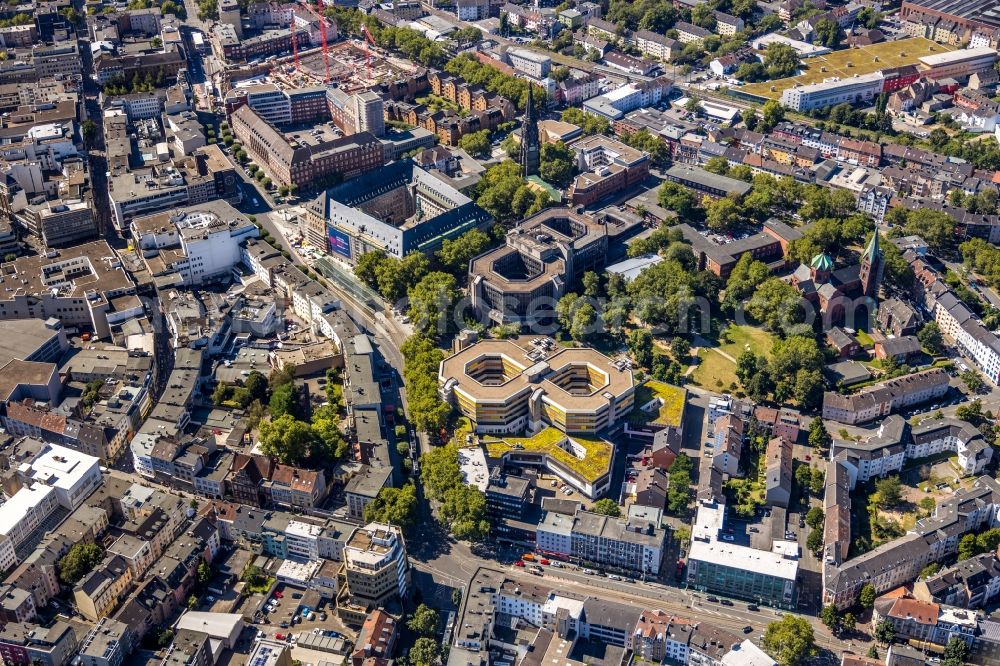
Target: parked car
x: 519, y: 563
x: 753, y: 607
x: 714, y: 600
x: 747, y: 629
x: 726, y: 602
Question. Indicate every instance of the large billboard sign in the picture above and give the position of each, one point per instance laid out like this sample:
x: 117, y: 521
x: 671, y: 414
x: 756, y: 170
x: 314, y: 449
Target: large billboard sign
x: 339, y: 242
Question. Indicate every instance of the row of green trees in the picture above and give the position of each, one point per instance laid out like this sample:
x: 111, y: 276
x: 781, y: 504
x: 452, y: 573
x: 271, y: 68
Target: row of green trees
x: 461, y: 507
x: 422, y: 357
x: 431, y: 293
x: 679, y: 488
x: 780, y: 61
x: 119, y: 85
x: 396, y: 506
x: 669, y: 296
x: 502, y: 193
x: 792, y: 371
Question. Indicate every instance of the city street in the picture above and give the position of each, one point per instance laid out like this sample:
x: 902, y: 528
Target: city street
x: 457, y: 564
x: 388, y: 333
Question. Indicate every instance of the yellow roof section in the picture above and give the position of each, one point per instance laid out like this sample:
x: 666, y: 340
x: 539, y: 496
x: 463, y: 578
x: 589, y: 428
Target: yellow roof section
x: 596, y: 460
x: 671, y: 404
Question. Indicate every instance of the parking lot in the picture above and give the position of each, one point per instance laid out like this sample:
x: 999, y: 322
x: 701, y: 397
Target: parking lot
x: 283, y: 612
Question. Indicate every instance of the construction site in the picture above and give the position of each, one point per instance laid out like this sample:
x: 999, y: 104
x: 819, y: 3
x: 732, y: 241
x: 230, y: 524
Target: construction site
x: 352, y: 65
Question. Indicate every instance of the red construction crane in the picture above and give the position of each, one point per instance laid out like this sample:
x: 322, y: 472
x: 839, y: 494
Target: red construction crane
x: 322, y: 32
x: 368, y: 52
x: 295, y: 46
x: 318, y: 13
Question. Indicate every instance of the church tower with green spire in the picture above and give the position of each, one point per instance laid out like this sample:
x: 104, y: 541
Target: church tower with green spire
x: 871, y: 267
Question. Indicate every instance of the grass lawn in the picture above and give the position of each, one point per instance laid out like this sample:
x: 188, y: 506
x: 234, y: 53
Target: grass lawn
x: 713, y: 367
x: 262, y: 587
x: 436, y: 103
x: 463, y: 427
x: 850, y: 62
x: 756, y: 339
x: 864, y: 339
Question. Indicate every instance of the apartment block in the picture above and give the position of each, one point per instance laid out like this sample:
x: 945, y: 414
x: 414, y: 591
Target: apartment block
x: 616, y: 543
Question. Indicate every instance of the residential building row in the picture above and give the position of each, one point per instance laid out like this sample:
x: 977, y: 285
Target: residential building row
x: 959, y: 325
x: 900, y: 561
x: 897, y: 443
x: 879, y: 177
x: 563, y: 625
x: 625, y: 544
x: 881, y: 399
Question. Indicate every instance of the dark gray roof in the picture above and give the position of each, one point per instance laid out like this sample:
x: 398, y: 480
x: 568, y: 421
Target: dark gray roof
x: 610, y: 614
x: 694, y: 174
x: 972, y: 572
x: 986, y: 12
x: 369, y: 481
x: 692, y: 29
x: 932, y: 429
x: 902, y: 346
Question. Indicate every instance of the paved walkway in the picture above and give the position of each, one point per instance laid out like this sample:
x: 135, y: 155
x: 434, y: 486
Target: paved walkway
x: 692, y: 366
x: 698, y: 340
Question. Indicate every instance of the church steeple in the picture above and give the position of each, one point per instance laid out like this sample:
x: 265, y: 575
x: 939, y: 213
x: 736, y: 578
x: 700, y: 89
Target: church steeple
x: 820, y: 268
x: 871, y: 267
x: 530, y: 150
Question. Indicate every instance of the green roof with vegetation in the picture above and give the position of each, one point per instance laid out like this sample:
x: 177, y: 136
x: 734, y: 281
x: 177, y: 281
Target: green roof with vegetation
x: 595, y: 463
x: 671, y: 409
x: 850, y: 62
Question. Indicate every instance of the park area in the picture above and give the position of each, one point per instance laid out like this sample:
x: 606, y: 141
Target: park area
x: 716, y: 367
x: 851, y: 62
